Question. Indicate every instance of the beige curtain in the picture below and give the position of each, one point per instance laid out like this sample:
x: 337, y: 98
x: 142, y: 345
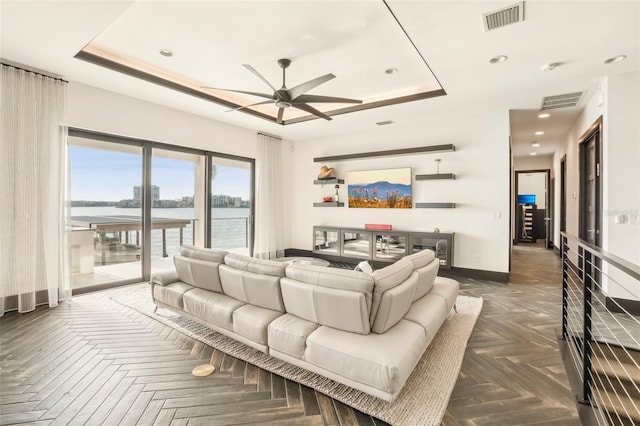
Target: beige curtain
x: 268, y: 240
x: 33, y: 252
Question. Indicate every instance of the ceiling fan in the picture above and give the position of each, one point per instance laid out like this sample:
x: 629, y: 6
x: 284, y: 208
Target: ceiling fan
x: 295, y: 97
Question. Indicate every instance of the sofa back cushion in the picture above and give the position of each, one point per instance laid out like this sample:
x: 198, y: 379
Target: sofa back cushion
x: 257, y: 266
x: 421, y: 258
x: 426, y: 277
x: 392, y: 294
x: 253, y: 281
x: 199, y: 273
x: 200, y: 253
x: 333, y: 297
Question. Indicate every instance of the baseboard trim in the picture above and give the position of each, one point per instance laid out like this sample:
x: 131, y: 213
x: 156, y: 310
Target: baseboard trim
x: 556, y: 250
x: 615, y: 304
x: 479, y: 274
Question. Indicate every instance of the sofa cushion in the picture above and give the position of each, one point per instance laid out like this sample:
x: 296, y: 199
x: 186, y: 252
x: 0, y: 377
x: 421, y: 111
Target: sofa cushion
x: 421, y: 258
x: 394, y: 304
x: 257, y: 266
x: 214, y: 308
x: 383, y: 361
x: 251, y: 322
x: 335, y: 297
x: 447, y: 289
x: 429, y: 312
x: 198, y: 273
x: 256, y: 289
x: 171, y: 294
x: 200, y: 253
x: 426, y: 276
x: 386, y: 279
x: 288, y: 334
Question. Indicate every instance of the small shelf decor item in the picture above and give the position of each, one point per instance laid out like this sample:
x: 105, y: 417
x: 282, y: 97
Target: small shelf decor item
x: 327, y: 199
x: 438, y: 161
x: 325, y: 173
x: 337, y: 187
x: 378, y: 226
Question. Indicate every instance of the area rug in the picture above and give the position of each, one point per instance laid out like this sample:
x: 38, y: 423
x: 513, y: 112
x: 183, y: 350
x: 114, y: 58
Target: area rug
x: 422, y: 401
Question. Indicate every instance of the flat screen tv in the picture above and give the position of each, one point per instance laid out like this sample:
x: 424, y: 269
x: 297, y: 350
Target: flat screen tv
x: 526, y: 198
x: 386, y: 189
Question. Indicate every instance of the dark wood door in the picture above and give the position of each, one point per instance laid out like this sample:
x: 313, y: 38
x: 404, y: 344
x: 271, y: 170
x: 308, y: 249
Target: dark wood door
x: 590, y: 192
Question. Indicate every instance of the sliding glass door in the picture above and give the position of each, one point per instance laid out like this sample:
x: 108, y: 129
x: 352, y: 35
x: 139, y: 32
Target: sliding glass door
x: 231, y: 204
x: 135, y: 202
x: 106, y: 211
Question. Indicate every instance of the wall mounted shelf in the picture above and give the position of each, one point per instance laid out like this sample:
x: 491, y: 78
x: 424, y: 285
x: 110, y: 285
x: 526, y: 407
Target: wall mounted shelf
x: 333, y: 204
x: 438, y: 176
x: 331, y: 181
x: 391, y: 152
x: 435, y: 205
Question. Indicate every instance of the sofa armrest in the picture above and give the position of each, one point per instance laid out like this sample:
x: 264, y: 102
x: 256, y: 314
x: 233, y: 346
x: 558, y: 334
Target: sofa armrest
x: 164, y: 277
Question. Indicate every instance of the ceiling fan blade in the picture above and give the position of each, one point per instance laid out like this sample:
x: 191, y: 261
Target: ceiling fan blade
x: 312, y: 110
x: 324, y: 99
x: 262, y: 95
x: 280, y: 114
x: 250, y: 105
x: 253, y: 70
x: 300, y: 89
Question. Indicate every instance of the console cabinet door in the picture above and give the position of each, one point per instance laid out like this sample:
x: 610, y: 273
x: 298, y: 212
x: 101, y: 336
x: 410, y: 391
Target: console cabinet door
x: 326, y: 240
x: 441, y: 244
x: 389, y: 246
x: 356, y: 243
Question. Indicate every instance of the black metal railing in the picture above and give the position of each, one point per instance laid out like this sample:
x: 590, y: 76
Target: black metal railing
x: 601, y: 329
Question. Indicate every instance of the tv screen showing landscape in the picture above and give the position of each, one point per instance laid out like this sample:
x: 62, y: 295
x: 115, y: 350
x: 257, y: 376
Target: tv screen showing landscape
x: 386, y: 189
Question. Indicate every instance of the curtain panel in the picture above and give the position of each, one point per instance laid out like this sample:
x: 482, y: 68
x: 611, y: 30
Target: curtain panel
x: 33, y: 243
x: 268, y: 240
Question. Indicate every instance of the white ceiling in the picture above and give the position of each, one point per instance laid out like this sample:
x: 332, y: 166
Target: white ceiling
x: 355, y: 40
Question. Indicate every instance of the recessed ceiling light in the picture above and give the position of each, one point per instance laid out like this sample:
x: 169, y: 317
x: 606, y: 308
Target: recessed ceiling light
x: 615, y: 59
x: 391, y: 70
x: 533, y: 153
x: 498, y: 59
x: 543, y: 115
x: 539, y: 133
x: 550, y: 67
x: 166, y: 52
x: 535, y: 144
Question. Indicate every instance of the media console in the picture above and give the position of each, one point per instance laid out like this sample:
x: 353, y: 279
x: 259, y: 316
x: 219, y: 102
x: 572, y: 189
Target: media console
x: 381, y: 246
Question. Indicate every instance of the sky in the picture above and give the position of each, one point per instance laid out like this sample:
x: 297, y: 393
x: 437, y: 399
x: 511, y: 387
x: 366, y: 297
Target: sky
x: 100, y: 175
x: 402, y: 176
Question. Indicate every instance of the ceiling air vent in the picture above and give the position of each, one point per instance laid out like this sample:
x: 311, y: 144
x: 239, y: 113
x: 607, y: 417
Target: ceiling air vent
x: 505, y: 16
x: 561, y: 101
x: 384, y: 123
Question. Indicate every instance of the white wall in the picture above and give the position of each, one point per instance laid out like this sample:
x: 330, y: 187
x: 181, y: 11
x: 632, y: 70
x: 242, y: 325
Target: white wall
x: 480, y: 191
x: 534, y: 183
x: 531, y: 162
x: 619, y: 105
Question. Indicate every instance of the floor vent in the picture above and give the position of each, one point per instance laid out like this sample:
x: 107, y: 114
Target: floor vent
x: 505, y: 16
x: 561, y: 101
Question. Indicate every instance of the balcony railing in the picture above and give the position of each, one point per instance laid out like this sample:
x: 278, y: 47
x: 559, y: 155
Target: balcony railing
x: 601, y: 332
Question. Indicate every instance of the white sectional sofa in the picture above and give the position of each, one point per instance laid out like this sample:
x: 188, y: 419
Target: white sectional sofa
x: 367, y: 331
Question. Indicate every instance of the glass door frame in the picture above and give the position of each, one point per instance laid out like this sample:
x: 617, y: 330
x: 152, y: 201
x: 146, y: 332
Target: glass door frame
x: 208, y: 193
x: 147, y: 156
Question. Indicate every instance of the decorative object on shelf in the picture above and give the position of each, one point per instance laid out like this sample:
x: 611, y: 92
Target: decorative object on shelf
x: 325, y: 173
x: 378, y: 226
x: 436, y: 230
x: 438, y: 160
x: 337, y: 193
x: 328, y: 199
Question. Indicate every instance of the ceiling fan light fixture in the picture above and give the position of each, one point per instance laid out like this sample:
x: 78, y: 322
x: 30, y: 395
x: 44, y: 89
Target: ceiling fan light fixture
x: 615, y: 59
x: 166, y: 53
x: 283, y: 104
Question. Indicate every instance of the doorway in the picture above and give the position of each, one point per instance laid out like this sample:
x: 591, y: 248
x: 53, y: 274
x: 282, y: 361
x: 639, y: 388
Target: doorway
x: 590, y: 214
x: 532, y: 207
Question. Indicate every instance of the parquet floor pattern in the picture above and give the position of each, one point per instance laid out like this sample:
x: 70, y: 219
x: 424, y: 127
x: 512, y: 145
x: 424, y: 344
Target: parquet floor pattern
x: 92, y: 361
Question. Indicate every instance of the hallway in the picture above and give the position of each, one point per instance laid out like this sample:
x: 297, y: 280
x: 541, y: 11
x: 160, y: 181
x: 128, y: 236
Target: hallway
x: 531, y: 263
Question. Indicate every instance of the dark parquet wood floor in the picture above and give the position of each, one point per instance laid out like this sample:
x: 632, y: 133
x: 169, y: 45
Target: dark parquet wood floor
x: 92, y: 361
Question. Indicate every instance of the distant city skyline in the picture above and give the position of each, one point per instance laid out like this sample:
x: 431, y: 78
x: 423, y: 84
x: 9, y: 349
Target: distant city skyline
x: 101, y: 175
